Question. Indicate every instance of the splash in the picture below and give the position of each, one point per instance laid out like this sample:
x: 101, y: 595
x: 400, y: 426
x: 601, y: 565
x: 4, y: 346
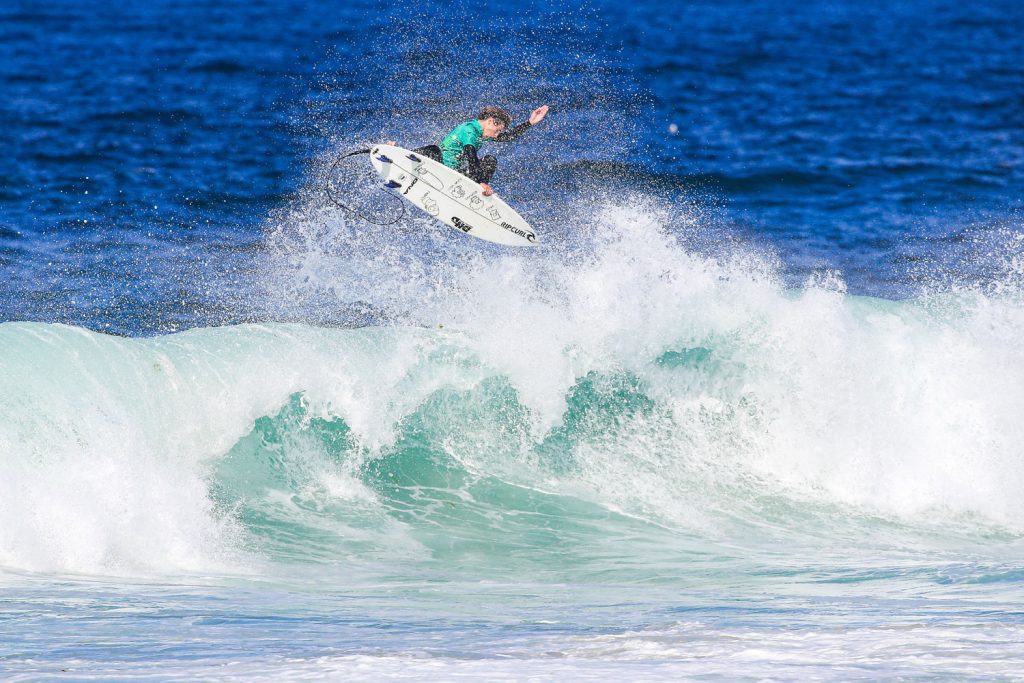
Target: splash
x: 630, y: 389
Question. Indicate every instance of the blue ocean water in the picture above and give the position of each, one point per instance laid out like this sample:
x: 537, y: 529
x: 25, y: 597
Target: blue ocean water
x: 750, y: 411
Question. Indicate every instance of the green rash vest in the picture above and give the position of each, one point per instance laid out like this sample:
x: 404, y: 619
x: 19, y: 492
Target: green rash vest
x: 472, y: 133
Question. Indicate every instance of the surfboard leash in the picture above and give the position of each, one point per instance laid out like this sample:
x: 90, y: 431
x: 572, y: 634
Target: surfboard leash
x: 328, y: 191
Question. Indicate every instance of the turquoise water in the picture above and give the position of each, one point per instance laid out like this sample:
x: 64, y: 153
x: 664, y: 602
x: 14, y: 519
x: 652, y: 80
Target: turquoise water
x: 707, y: 474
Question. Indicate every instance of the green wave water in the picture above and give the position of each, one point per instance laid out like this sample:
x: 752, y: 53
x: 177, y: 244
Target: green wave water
x: 400, y: 452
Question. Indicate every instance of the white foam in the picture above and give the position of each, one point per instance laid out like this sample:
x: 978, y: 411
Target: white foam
x: 903, y: 408
x: 907, y: 409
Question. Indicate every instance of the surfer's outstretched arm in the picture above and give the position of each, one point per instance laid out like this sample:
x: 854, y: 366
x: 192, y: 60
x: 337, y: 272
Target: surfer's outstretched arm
x: 536, y: 117
x: 515, y: 133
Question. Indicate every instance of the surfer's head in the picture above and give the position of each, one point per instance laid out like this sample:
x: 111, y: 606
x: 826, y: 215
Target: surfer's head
x: 493, y: 120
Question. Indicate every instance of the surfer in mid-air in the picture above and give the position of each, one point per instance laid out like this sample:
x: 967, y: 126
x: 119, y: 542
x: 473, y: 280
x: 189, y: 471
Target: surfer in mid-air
x: 458, y: 149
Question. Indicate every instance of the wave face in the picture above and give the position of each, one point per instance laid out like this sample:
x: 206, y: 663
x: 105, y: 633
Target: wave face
x: 601, y: 415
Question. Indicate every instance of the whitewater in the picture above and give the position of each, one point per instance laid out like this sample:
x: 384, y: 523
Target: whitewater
x: 622, y: 457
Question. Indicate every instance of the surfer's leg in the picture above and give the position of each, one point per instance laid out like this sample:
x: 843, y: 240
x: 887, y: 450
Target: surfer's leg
x: 484, y: 170
x: 430, y: 152
x: 488, y: 165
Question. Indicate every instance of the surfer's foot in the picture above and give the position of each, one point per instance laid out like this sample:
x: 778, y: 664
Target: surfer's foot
x: 390, y: 142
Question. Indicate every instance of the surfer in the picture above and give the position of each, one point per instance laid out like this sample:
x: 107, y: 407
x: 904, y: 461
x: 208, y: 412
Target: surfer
x: 459, y: 148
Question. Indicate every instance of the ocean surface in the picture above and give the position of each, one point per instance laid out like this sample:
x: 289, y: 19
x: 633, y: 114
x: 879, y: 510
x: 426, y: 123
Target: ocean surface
x: 751, y: 411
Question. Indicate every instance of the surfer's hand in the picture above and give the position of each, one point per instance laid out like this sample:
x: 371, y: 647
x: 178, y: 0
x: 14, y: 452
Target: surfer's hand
x: 538, y: 115
x: 486, y: 189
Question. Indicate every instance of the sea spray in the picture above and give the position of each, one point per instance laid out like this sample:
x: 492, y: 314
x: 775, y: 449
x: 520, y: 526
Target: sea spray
x: 688, y: 395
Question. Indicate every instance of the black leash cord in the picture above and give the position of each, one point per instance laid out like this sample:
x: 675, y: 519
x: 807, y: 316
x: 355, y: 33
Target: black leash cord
x: 334, y: 200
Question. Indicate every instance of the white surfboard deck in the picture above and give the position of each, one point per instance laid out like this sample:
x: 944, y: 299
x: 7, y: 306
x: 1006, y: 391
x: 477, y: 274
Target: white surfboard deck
x: 450, y: 197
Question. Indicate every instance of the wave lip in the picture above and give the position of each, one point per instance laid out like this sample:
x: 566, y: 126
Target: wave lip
x: 650, y: 393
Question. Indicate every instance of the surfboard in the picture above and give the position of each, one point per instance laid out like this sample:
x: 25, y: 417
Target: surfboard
x: 450, y: 197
